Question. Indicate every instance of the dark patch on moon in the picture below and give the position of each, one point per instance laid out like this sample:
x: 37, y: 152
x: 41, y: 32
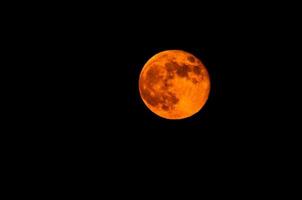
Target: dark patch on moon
x: 152, y: 100
x: 172, y: 98
x: 197, y: 70
x: 191, y: 59
x: 194, y: 81
x: 164, y: 98
x: 170, y: 70
x: 153, y: 76
x: 169, y: 101
x: 165, y: 107
x: 166, y: 84
x: 183, y: 70
x: 170, y: 67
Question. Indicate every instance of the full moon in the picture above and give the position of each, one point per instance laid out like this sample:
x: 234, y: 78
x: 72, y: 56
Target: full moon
x: 174, y: 84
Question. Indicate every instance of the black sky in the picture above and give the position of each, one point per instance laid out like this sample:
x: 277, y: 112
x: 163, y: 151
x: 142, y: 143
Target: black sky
x: 100, y: 82
x: 97, y: 65
x: 83, y: 117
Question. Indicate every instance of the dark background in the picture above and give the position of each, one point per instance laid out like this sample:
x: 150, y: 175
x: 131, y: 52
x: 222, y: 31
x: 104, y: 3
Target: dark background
x: 92, y: 66
x: 82, y: 107
x: 97, y: 99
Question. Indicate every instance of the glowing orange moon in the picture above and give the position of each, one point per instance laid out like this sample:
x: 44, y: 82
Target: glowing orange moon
x: 174, y: 84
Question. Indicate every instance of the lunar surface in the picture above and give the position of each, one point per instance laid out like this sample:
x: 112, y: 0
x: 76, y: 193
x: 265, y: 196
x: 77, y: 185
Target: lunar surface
x: 174, y: 84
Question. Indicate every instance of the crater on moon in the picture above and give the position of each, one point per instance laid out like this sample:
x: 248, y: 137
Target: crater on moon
x: 191, y: 59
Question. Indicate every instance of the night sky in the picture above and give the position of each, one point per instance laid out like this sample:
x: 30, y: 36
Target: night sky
x: 103, y: 97
x: 98, y: 70
x: 94, y: 115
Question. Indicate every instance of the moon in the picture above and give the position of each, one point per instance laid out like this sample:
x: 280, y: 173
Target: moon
x: 174, y: 84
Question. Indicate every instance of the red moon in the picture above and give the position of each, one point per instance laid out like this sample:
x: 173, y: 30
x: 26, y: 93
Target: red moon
x: 174, y: 84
